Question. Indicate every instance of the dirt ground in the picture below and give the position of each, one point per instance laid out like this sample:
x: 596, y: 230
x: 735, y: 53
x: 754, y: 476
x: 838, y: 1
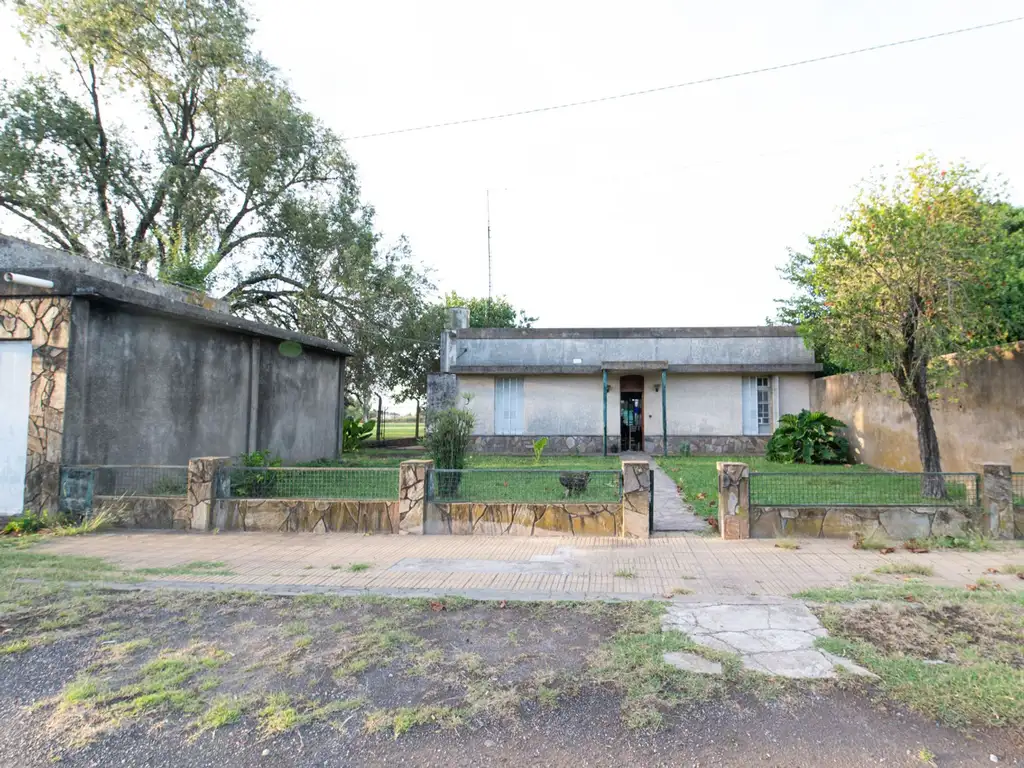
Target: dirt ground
x: 95, y: 678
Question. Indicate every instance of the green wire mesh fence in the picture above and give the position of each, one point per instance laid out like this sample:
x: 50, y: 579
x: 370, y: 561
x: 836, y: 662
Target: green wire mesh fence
x: 132, y: 480
x: 378, y: 483
x: 877, y: 489
x: 1018, y: 489
x: 525, y: 485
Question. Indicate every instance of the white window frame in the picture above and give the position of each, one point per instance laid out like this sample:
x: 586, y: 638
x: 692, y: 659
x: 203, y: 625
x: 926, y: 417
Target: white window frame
x: 753, y: 388
x: 763, y: 390
x: 509, y: 404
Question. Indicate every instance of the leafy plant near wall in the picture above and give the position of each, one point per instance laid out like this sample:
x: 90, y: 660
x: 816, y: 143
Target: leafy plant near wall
x: 810, y: 437
x: 355, y: 433
x: 448, y: 435
x: 255, y: 484
x: 538, y: 449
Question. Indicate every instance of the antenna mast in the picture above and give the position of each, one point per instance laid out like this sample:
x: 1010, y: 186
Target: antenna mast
x: 487, y: 313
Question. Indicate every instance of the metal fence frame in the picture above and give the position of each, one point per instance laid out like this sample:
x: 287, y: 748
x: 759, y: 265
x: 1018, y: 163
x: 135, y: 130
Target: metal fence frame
x: 264, y: 481
x: 435, y: 481
x: 1017, y: 485
x: 920, y: 501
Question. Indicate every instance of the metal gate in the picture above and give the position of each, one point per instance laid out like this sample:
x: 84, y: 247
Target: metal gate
x: 650, y: 506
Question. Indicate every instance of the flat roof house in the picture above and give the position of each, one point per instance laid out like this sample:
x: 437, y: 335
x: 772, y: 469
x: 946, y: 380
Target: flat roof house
x: 99, y: 366
x: 608, y: 390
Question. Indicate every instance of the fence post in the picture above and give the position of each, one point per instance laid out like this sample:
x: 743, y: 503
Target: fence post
x: 412, y: 495
x: 997, y: 499
x: 636, y: 499
x: 201, y: 490
x: 733, y: 500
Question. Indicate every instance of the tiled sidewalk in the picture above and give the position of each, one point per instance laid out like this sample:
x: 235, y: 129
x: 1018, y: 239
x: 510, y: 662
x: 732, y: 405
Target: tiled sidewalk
x: 518, y: 567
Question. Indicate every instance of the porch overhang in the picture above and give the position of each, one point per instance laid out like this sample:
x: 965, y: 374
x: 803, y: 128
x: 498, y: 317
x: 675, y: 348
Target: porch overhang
x: 635, y: 366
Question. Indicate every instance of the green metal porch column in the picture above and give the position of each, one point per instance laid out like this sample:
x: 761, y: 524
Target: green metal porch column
x: 604, y: 398
x: 664, y: 412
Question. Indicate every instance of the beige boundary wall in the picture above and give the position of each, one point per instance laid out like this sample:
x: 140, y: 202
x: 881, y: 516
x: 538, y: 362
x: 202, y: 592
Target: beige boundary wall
x: 979, y: 418
x: 200, y: 510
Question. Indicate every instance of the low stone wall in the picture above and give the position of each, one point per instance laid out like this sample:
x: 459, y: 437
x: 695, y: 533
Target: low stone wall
x: 710, y: 445
x: 559, y: 445
x: 147, y: 511
x: 895, y: 523
x: 494, y: 519
x: 316, y: 516
x: 1018, y: 522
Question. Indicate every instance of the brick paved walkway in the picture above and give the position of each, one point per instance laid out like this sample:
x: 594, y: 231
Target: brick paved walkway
x: 517, y: 567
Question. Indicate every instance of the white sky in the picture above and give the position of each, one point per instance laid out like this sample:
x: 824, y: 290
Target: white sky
x: 669, y: 209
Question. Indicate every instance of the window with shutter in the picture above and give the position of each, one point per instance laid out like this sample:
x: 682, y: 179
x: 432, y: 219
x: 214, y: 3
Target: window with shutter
x: 508, y: 406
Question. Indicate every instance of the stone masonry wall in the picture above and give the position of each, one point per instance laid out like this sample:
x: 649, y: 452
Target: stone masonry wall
x: 293, y: 515
x: 893, y: 523
x: 568, y: 445
x: 46, y: 322
x: 147, y: 511
x: 710, y: 445
x: 490, y: 519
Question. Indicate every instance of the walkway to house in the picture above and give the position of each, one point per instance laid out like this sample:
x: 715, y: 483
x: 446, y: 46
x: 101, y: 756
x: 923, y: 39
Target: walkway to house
x: 511, y: 567
x: 671, y: 513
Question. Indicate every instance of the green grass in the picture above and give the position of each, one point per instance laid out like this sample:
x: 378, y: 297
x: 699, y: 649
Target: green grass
x: 920, y: 592
x: 358, y: 567
x: 224, y: 710
x: 193, y: 568
x: 697, y: 480
x: 978, y: 693
x: 399, y: 721
x: 906, y: 569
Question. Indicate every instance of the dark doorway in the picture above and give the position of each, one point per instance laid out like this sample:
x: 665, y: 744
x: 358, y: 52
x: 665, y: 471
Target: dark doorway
x: 631, y: 413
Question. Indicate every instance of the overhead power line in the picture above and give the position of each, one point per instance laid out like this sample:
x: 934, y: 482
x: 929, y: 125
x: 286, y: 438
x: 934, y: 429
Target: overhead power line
x: 687, y: 84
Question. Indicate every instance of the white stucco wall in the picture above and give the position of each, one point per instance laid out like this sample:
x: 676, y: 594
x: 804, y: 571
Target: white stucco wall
x: 482, y: 402
x: 698, y: 404
x: 794, y: 392
x: 566, y: 405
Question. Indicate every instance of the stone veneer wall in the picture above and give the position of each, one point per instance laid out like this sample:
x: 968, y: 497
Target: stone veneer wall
x: 147, y: 511
x: 310, y: 515
x: 46, y: 322
x: 559, y: 445
x: 494, y: 519
x: 895, y: 523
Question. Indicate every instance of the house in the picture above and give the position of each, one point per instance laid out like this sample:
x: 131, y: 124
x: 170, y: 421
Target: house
x: 607, y: 390
x: 99, y: 366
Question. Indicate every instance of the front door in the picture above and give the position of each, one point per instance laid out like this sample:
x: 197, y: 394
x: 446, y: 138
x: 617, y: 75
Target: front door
x: 15, y: 383
x: 631, y: 413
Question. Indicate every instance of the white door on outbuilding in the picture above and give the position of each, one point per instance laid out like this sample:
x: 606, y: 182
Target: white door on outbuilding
x: 15, y: 383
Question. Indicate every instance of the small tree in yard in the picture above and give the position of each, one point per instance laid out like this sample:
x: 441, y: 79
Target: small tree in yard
x: 909, y: 275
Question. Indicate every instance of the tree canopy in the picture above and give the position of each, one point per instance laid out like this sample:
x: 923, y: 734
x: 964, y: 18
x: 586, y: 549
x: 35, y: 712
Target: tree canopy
x: 167, y: 144
x: 916, y: 268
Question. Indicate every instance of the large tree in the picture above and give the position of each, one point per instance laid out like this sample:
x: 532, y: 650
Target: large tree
x: 913, y: 271
x: 165, y: 143
x: 417, y: 352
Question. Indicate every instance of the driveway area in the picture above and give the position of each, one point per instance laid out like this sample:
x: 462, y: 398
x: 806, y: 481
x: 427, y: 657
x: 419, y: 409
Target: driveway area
x: 521, y: 568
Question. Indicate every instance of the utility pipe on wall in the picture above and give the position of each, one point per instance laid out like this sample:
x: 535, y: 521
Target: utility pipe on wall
x: 604, y: 396
x: 664, y: 412
x: 35, y: 282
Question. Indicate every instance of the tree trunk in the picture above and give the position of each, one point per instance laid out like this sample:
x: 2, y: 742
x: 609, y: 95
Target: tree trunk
x: 933, y: 486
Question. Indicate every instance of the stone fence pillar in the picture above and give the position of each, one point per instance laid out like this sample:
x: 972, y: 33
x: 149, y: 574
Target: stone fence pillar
x: 412, y: 495
x: 636, y: 499
x: 733, y: 500
x: 201, y: 489
x: 997, y: 499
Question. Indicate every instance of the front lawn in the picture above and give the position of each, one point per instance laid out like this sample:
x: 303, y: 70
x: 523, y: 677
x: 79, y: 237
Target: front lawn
x: 697, y: 476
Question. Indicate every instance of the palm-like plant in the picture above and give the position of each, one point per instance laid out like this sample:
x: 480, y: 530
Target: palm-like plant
x: 809, y: 437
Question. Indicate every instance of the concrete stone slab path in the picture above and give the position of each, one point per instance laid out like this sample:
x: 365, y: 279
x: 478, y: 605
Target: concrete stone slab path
x: 671, y: 513
x: 516, y: 568
x: 772, y: 635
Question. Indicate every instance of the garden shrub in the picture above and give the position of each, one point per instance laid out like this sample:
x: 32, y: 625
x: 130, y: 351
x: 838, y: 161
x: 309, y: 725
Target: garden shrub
x: 448, y: 435
x: 251, y: 484
x: 538, y: 448
x: 809, y: 437
x: 355, y: 433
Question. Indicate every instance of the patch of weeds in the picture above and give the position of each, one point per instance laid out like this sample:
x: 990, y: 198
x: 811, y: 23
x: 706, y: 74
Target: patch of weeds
x: 633, y: 662
x: 1012, y: 569
x: 17, y: 646
x: 863, y: 578
x: 469, y: 663
x: 277, y: 715
x: 914, y: 591
x: 100, y: 521
x: 971, y: 542
x: 926, y: 756
x: 873, y: 543
x: 789, y: 544
x: 119, y: 652
x: 223, y: 710
x: 164, y: 681
x: 513, y: 636
x: 302, y: 642
x: 982, y: 693
x: 377, y: 645
x: 490, y: 698
x: 906, y: 569
x: 623, y: 573
x: 194, y: 568
x: 209, y: 683
x: 81, y: 690
x: 547, y: 697
x: 399, y: 721
x: 680, y: 591
x: 358, y: 567
x: 293, y: 628
x: 423, y: 662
